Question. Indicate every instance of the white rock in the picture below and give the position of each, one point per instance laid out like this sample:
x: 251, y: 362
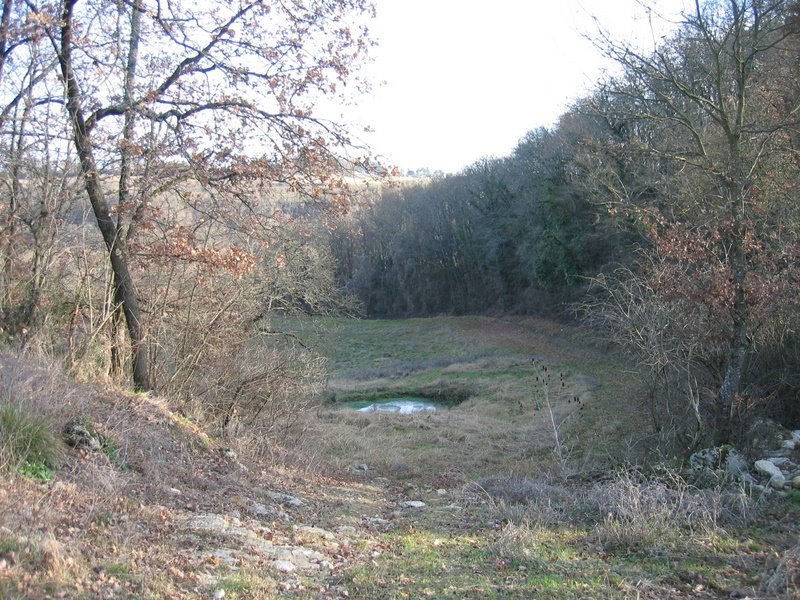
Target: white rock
x: 723, y: 457
x: 219, y: 594
x: 346, y: 530
x: 316, y: 532
x: 789, y: 444
x: 413, y: 504
x: 284, y: 566
x: 286, y: 499
x: 778, y: 482
x: 767, y: 467
x: 776, y: 478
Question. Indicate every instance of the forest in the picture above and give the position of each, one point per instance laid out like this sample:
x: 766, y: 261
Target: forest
x: 662, y: 209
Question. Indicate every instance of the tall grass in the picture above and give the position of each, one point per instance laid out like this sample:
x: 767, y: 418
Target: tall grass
x: 28, y: 442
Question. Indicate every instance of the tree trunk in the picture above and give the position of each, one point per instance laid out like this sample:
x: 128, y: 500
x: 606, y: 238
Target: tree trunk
x: 733, y: 375
x: 124, y: 289
x: 737, y: 350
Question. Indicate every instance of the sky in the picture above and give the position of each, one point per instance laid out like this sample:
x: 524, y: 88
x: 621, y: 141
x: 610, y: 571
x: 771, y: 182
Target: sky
x: 458, y: 80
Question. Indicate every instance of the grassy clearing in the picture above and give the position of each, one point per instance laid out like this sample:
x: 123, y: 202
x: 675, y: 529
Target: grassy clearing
x: 503, y: 417
x: 554, y: 533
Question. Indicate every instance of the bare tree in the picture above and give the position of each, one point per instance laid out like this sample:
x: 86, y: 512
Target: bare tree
x: 704, y: 106
x: 157, y: 94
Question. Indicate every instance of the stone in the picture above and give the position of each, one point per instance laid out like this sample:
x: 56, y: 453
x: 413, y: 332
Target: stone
x: 789, y: 444
x: 361, y: 467
x: 219, y: 594
x: 260, y: 511
x: 796, y: 482
x: 286, y: 499
x: 776, y: 477
x: 284, y: 566
x: 346, y: 530
x: 226, y: 556
x: 250, y: 541
x: 722, y: 457
x: 378, y: 523
x: 413, y: 504
x: 228, y: 453
x: 78, y: 435
x: 315, y: 532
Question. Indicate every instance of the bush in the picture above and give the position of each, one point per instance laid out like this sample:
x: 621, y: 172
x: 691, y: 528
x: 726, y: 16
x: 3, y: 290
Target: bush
x: 28, y: 444
x: 645, y: 511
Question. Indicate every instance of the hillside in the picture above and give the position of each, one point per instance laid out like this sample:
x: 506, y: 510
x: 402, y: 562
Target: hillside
x: 468, y: 502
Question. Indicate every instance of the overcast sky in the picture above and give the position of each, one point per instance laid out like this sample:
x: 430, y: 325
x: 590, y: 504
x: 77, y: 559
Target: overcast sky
x: 457, y: 80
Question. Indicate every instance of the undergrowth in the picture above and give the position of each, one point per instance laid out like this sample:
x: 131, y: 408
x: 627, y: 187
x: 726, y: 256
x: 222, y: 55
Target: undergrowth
x: 28, y: 443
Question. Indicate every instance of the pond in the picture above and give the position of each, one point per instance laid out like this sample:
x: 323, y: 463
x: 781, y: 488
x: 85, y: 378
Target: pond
x: 404, y: 405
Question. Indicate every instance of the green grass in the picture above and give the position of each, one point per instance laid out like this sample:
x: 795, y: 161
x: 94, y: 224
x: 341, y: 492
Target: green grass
x: 430, y: 555
x: 427, y: 564
x: 28, y: 443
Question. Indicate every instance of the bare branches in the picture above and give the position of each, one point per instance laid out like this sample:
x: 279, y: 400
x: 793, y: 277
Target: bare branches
x: 711, y: 220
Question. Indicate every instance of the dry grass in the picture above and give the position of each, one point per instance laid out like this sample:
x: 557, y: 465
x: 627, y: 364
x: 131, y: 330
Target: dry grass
x: 502, y: 428
x: 107, y: 524
x: 784, y: 579
x: 472, y: 437
x: 626, y: 511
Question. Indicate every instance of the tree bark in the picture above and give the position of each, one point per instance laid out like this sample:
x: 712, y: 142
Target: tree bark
x: 124, y: 288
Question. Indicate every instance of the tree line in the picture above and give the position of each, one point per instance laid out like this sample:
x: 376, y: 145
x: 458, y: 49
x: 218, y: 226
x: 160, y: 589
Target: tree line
x: 664, y: 205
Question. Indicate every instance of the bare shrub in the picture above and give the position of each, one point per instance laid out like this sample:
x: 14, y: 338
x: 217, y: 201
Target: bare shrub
x: 530, y: 507
x: 784, y: 579
x: 628, y: 510
x: 253, y: 390
x: 643, y: 511
x: 673, y: 342
x: 519, y: 490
